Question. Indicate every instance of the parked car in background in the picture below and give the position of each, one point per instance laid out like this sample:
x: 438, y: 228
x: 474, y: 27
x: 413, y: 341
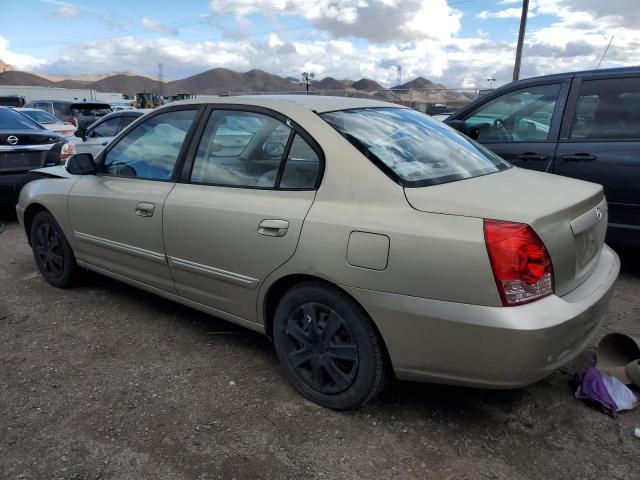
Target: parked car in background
x: 48, y: 121
x: 81, y: 114
x: 584, y: 125
x: 99, y: 134
x: 11, y: 101
x: 25, y: 145
x: 360, y: 235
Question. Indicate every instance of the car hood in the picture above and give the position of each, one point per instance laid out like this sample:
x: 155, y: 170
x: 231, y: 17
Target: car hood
x: 562, y: 211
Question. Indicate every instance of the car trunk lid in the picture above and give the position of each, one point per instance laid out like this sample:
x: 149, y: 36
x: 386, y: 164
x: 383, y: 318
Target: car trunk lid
x: 23, y: 150
x: 570, y: 216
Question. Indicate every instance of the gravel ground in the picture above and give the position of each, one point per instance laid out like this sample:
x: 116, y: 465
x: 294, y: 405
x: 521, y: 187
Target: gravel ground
x: 104, y: 381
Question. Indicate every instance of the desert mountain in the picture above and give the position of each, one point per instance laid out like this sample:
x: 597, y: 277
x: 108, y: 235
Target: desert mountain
x: 221, y: 81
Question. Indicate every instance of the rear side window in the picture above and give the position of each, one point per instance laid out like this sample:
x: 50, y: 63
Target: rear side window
x: 522, y: 115
x: 412, y: 148
x: 607, y: 109
x: 151, y: 149
x: 240, y: 149
x: 61, y: 110
x: 302, y: 167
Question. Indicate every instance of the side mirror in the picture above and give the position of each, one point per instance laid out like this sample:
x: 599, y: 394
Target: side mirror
x: 81, y: 133
x: 463, y: 127
x: 81, y: 164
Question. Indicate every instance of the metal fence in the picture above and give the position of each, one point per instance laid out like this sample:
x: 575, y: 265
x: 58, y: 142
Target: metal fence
x: 430, y: 99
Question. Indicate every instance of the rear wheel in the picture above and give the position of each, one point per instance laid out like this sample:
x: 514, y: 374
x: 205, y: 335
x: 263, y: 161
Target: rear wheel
x: 328, y: 347
x: 52, y: 251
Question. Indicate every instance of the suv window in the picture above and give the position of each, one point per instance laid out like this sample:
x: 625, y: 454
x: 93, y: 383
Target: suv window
x: 152, y: 148
x: 61, y: 110
x: 522, y: 115
x: 607, y: 109
x: 108, y: 128
x: 46, y: 106
x: 241, y: 149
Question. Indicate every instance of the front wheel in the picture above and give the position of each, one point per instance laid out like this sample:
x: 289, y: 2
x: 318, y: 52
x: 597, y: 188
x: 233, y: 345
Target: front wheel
x: 52, y: 251
x: 328, y: 347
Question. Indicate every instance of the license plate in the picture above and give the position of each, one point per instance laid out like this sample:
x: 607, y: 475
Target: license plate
x: 586, y: 248
x: 20, y: 161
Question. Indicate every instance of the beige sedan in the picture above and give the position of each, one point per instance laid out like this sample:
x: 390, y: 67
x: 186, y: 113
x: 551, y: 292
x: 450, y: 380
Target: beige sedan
x: 364, y: 238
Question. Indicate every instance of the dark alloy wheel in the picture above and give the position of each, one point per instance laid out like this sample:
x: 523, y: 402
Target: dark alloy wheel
x: 322, y: 348
x: 51, y: 250
x: 48, y: 248
x: 328, y: 346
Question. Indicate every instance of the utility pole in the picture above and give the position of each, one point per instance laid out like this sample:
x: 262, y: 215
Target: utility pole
x: 160, y: 81
x: 399, y: 80
x: 523, y: 26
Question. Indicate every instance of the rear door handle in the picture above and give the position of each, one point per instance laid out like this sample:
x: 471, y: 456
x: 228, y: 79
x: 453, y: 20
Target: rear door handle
x: 145, y: 209
x: 533, y: 156
x: 579, y: 157
x: 273, y: 227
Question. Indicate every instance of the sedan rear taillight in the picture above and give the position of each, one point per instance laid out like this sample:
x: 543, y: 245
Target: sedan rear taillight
x: 520, y: 262
x: 72, y: 120
x: 67, y: 150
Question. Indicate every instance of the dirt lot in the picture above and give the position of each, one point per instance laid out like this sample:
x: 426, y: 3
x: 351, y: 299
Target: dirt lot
x: 107, y: 382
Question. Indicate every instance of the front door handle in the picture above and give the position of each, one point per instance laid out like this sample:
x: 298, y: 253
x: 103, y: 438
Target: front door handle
x: 145, y: 209
x: 579, y: 157
x: 533, y: 156
x: 273, y: 227
x: 105, y: 143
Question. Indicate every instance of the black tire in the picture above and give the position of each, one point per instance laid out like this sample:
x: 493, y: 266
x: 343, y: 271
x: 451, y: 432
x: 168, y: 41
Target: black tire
x: 52, y: 251
x: 328, y: 346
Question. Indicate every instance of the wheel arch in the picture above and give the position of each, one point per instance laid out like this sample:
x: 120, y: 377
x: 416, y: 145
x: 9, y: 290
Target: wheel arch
x: 29, y: 214
x: 282, y: 285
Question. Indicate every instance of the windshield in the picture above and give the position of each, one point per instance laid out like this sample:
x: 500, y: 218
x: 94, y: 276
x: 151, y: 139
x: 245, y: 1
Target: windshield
x: 12, y: 120
x: 88, y: 110
x: 412, y: 148
x: 39, y: 116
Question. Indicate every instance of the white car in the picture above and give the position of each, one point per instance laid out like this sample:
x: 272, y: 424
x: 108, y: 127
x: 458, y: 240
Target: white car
x: 48, y: 121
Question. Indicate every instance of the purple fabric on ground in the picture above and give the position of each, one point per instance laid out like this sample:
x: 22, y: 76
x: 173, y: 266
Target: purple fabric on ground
x: 594, y: 389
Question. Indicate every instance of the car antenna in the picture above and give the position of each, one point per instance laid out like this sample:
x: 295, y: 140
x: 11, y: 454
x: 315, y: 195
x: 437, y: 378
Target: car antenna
x: 605, y: 52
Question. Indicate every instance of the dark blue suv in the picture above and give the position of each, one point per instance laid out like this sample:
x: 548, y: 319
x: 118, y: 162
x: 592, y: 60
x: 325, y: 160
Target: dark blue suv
x: 584, y: 125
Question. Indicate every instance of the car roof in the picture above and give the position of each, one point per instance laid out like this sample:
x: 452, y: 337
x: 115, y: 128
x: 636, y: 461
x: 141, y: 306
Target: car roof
x: 73, y: 102
x: 582, y: 73
x: 315, y: 103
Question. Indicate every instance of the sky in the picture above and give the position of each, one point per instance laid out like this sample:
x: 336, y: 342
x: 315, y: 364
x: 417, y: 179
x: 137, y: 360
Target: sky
x: 460, y: 43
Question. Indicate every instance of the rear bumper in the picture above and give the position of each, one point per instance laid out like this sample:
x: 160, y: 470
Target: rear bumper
x: 495, y: 347
x: 10, y: 185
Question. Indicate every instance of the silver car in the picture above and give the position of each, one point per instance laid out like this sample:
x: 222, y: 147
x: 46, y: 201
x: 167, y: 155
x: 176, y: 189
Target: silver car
x: 366, y: 239
x: 97, y: 136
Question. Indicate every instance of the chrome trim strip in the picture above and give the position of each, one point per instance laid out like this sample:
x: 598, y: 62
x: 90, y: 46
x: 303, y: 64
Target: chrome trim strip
x: 121, y: 247
x: 19, y: 148
x: 215, y: 273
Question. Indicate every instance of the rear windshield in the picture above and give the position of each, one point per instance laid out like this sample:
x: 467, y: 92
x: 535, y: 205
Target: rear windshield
x: 412, y: 148
x: 90, y: 109
x: 12, y: 120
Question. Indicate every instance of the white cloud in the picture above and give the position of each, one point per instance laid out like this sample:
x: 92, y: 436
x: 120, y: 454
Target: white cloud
x: 17, y: 60
x: 374, y: 20
x: 506, y: 13
x: 158, y: 26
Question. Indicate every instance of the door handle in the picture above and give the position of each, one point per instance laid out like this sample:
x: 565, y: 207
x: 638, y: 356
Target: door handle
x: 579, y: 157
x: 105, y: 143
x: 273, y: 227
x: 533, y: 156
x: 145, y: 209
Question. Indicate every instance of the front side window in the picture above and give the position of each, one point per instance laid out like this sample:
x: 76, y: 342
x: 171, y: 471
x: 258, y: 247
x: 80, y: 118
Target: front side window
x: 607, y: 109
x: 108, y: 128
x: 411, y: 147
x: 152, y: 148
x: 522, y: 115
x: 241, y: 149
